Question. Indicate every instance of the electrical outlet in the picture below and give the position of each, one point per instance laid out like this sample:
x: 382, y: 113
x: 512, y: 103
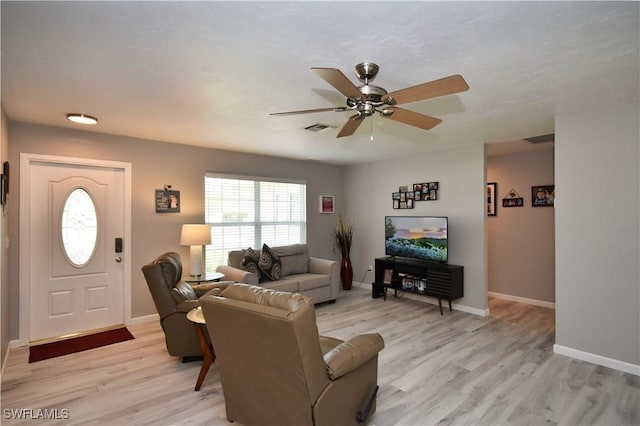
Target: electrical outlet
x: 370, y: 268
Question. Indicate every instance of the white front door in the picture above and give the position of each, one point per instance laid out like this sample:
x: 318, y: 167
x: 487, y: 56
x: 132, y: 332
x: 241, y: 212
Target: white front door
x: 75, y: 260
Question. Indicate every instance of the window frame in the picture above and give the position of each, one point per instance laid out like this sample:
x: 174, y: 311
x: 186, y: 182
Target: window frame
x: 257, y: 224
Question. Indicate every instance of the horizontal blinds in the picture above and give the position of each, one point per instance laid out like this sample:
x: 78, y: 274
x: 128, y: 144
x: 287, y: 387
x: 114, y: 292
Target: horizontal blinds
x: 247, y: 212
x: 229, y: 201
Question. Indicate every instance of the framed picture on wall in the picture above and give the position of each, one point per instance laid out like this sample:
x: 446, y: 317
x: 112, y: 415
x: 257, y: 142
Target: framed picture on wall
x: 513, y: 202
x: 425, y: 191
x: 167, y: 201
x: 491, y: 199
x: 327, y: 204
x: 4, y: 183
x: 513, y: 199
x: 543, y: 195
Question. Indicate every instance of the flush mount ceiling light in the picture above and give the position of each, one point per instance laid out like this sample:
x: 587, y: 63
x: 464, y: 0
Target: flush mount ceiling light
x: 82, y: 118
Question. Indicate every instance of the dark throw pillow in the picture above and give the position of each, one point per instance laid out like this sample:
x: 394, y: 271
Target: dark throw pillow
x: 250, y: 263
x: 269, y: 263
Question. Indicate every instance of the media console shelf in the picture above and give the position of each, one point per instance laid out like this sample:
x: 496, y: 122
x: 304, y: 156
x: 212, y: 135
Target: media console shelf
x: 439, y: 280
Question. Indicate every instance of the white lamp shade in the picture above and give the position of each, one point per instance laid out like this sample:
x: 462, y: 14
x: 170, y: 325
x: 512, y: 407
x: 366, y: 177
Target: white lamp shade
x: 195, y: 235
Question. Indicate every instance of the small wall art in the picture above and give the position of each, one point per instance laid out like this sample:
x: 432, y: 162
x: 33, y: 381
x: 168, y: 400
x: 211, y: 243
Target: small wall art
x: 543, y: 195
x: 167, y: 201
x: 326, y: 204
x: 4, y: 183
x: 513, y: 199
x: 492, y: 210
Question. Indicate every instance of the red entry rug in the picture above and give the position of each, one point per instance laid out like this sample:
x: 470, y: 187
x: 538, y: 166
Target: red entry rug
x: 78, y: 344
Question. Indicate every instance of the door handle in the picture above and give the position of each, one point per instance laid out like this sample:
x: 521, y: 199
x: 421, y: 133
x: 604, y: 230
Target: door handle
x: 118, y: 259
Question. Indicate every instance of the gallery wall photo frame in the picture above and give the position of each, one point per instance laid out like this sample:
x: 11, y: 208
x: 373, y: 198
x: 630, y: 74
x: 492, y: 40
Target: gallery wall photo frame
x: 327, y: 204
x: 167, y: 201
x: 403, y: 199
x: 4, y: 183
x: 492, y: 206
x: 543, y: 195
x: 407, y: 196
x: 426, y: 191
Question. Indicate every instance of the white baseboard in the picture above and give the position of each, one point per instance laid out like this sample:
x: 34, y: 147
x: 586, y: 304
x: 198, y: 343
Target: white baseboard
x: 597, y: 359
x: 519, y: 299
x: 469, y: 309
x: 144, y: 319
x: 4, y: 363
x: 17, y: 343
x: 434, y: 301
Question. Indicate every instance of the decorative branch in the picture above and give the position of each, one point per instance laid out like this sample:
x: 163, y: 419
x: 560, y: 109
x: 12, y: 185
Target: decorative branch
x: 343, y: 231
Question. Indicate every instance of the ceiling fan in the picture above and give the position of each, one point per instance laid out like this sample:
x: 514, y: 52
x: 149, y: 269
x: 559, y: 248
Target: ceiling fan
x: 367, y: 99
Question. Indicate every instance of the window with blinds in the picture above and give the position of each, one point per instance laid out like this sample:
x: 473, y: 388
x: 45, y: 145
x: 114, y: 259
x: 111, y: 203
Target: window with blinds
x: 247, y: 212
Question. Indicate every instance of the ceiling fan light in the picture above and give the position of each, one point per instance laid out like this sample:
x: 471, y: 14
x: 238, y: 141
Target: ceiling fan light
x: 82, y: 118
x: 366, y: 109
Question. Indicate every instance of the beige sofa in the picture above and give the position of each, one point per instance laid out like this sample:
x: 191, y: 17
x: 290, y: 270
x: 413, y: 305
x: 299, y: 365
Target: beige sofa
x: 316, y: 278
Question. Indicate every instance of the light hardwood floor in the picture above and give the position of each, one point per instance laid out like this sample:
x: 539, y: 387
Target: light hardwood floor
x: 457, y: 369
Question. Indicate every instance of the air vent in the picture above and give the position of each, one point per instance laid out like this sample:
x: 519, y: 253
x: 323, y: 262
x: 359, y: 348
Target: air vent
x: 541, y: 139
x: 318, y: 127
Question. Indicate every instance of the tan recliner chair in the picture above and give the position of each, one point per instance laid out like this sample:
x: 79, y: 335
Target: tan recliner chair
x: 174, y: 299
x: 275, y: 368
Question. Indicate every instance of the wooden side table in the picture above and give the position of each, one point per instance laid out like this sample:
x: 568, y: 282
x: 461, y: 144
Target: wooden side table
x: 197, y: 318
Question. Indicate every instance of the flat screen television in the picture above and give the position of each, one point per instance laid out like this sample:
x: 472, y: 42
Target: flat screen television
x: 417, y: 237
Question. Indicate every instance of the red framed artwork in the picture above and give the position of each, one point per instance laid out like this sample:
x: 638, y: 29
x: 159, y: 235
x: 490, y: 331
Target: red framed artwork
x: 327, y: 204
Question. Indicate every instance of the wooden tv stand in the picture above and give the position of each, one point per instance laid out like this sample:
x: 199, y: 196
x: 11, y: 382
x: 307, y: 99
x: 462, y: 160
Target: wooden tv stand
x: 439, y: 280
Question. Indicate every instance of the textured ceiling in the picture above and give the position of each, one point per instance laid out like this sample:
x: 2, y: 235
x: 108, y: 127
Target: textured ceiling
x: 208, y: 73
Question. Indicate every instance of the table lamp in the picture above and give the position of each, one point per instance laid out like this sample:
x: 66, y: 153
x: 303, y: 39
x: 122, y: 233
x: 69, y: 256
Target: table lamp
x: 195, y: 236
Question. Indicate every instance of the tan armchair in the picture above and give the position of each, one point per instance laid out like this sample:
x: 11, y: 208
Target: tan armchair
x: 174, y: 299
x: 276, y: 370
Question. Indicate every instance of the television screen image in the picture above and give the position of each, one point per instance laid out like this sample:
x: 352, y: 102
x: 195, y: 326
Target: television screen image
x: 417, y: 237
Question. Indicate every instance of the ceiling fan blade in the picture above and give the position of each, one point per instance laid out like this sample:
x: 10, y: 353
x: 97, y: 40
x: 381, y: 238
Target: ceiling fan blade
x: 411, y: 118
x: 307, y: 111
x: 337, y: 79
x: 432, y: 89
x: 350, y: 127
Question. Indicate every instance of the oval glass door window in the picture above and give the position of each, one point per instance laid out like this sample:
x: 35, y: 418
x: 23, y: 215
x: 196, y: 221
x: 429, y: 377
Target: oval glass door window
x: 79, y: 227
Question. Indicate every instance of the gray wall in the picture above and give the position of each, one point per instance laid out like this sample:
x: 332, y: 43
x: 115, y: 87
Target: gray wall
x: 155, y: 164
x: 597, y: 232
x: 461, y: 174
x: 522, y: 239
x: 596, y: 214
x: 4, y: 270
